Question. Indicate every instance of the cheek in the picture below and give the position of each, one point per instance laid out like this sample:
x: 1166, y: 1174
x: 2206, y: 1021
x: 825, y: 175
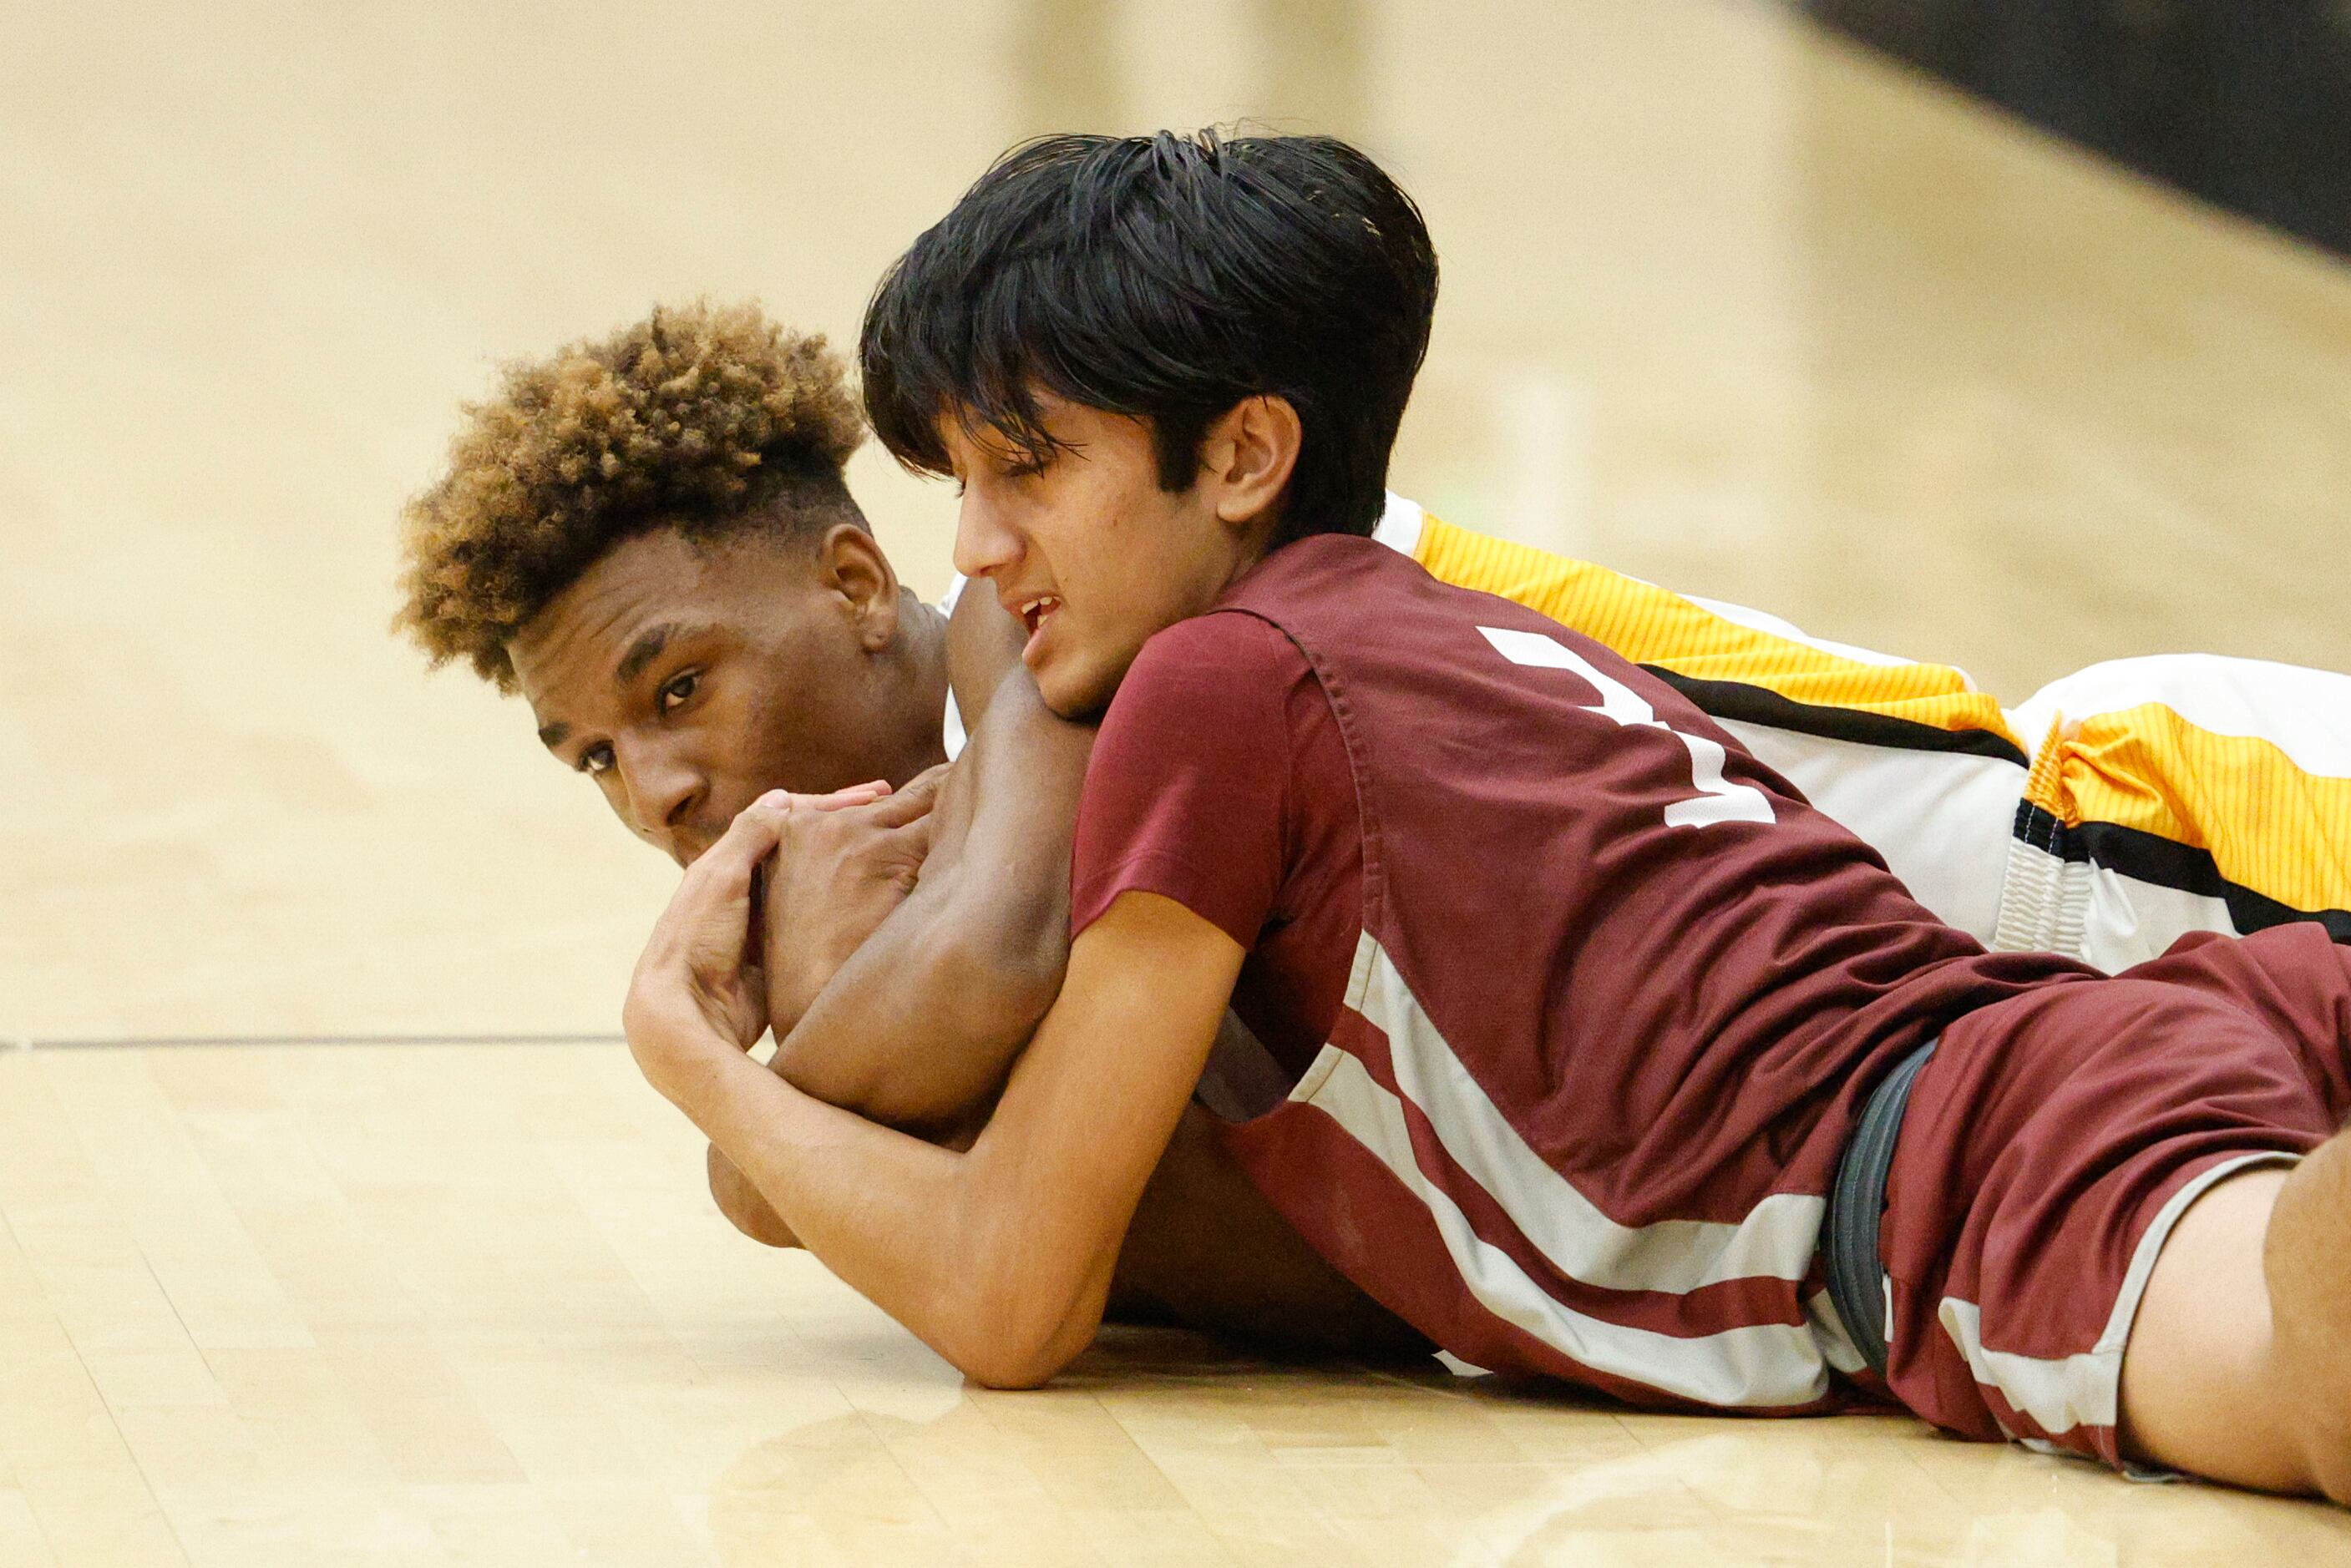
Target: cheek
x: 1152, y: 575
x: 799, y: 725
x: 1108, y: 558
x: 757, y: 733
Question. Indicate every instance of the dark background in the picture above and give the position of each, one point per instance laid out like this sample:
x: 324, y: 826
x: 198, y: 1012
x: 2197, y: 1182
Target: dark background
x: 2246, y: 103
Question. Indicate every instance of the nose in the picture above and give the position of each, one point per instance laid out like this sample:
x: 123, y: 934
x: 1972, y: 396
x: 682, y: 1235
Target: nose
x: 985, y: 543
x: 664, y: 793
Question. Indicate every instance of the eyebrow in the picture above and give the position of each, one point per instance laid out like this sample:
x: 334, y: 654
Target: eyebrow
x: 648, y: 647
x: 644, y: 651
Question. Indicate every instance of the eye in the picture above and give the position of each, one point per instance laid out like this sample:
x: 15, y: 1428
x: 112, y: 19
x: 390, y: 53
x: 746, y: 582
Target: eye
x: 596, y: 759
x: 676, y: 690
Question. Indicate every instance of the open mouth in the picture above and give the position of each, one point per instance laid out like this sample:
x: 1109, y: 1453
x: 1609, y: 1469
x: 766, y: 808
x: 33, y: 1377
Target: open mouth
x: 1034, y: 611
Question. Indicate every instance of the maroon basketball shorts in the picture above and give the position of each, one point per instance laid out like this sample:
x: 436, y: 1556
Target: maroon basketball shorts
x: 2054, y: 1139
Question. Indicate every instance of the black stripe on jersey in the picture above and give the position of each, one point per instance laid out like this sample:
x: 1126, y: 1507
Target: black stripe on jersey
x: 1760, y: 705
x: 2150, y: 858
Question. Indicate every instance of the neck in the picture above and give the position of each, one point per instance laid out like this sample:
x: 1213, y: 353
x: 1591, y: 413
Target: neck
x: 1254, y: 548
x: 1256, y: 537
x: 925, y: 633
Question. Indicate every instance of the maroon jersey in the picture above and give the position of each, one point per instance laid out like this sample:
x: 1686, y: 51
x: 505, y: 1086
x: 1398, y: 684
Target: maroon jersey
x: 1611, y: 990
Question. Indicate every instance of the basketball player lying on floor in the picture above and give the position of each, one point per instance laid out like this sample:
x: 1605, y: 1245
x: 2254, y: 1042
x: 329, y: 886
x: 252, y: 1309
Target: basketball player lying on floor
x: 690, y: 638
x: 1596, y: 1038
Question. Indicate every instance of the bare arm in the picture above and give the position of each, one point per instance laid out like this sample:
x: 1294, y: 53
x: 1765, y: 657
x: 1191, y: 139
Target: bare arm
x: 984, y: 643
x: 1204, y: 1247
x: 1001, y: 1257
x: 919, y: 1026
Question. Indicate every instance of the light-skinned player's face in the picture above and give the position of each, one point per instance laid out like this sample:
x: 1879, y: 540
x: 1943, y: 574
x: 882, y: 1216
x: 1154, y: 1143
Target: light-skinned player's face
x: 1092, y: 555
x: 687, y: 681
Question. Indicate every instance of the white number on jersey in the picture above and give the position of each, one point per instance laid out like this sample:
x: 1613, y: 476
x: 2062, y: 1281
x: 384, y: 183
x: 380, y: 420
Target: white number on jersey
x: 1718, y: 799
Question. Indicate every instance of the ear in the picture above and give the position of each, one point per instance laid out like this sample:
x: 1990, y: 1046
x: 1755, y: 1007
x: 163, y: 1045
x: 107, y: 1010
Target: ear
x: 849, y: 563
x: 1247, y: 456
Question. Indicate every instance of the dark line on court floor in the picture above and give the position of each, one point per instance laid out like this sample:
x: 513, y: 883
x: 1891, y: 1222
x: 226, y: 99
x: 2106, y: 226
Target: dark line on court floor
x: 130, y: 1041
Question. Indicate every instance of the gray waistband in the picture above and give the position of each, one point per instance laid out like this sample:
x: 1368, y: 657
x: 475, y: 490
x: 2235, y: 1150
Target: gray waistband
x: 1856, y: 1205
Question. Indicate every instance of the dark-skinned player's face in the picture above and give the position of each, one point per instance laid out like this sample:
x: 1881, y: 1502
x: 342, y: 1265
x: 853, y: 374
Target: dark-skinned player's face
x: 686, y: 680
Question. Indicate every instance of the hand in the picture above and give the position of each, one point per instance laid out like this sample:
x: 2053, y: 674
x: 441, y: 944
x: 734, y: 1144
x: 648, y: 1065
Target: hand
x: 698, y: 993
x: 836, y: 875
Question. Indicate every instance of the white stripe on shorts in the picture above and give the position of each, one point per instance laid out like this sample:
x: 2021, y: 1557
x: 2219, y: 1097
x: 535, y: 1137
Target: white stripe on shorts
x: 2058, y: 1393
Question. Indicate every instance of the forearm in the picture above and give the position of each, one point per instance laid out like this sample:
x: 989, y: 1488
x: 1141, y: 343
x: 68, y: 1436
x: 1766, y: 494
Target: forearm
x: 922, y: 1022
x: 921, y: 1026
x: 931, y: 1235
x: 1001, y: 1257
x: 751, y: 1213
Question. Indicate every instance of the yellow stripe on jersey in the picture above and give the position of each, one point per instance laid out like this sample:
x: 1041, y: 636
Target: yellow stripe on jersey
x: 2268, y: 825
x: 1650, y: 625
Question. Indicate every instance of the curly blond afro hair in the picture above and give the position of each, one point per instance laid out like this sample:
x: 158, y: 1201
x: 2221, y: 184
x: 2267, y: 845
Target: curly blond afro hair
x: 701, y: 417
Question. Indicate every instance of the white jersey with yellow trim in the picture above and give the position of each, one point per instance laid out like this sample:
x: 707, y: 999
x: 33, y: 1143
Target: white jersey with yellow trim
x: 2105, y: 817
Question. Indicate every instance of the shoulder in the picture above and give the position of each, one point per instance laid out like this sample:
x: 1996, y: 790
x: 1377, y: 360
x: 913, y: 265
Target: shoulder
x: 1234, y: 641
x: 1218, y: 662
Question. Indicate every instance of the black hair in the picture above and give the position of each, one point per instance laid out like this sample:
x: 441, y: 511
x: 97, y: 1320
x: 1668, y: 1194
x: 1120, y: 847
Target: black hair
x: 1166, y: 277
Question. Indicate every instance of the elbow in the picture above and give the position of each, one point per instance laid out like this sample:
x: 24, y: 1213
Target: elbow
x: 994, y: 986
x: 743, y: 1205
x: 1006, y: 935
x: 1019, y: 1338
x: 1012, y: 969
x: 1011, y: 1371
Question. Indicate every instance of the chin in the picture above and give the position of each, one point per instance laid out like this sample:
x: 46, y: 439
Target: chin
x: 1074, y: 706
x: 1074, y: 693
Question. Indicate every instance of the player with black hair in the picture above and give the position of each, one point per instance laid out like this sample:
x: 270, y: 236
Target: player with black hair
x: 1580, y: 1022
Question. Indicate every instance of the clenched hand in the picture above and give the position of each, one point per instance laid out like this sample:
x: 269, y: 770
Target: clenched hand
x: 698, y: 988
x: 835, y: 875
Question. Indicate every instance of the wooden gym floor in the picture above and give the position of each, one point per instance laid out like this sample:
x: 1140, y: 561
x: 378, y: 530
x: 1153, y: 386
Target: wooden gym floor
x: 1726, y: 306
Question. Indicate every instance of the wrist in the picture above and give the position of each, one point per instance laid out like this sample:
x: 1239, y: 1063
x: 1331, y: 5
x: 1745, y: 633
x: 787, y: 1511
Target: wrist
x: 701, y: 1087
x: 679, y: 1053
x: 732, y: 1099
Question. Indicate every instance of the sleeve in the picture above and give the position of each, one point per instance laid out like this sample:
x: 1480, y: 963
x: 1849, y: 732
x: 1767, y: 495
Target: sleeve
x: 1187, y: 793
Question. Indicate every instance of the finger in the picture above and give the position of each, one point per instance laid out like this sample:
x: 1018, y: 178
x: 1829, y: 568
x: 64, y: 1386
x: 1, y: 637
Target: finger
x: 855, y: 795
x: 725, y: 867
x: 910, y: 803
x: 915, y: 839
x: 757, y: 826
